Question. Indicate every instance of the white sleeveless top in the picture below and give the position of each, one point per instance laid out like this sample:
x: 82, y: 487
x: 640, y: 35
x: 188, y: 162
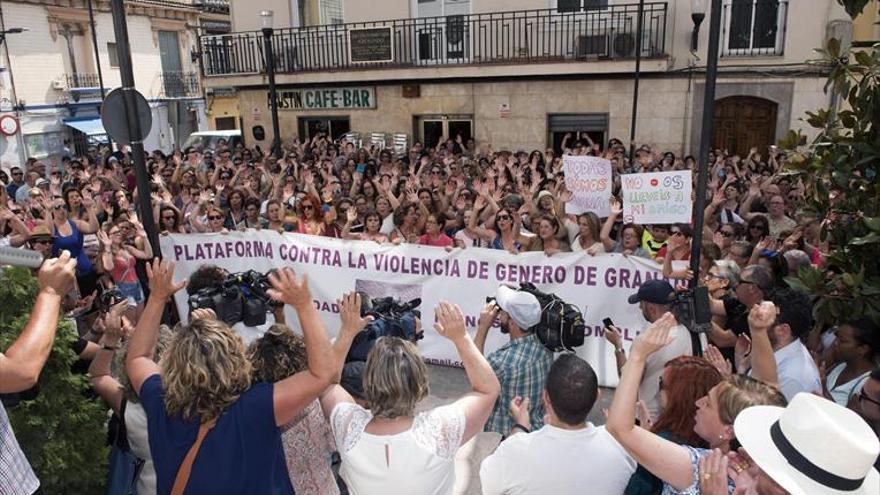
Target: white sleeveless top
x: 419, y: 460
x: 843, y: 392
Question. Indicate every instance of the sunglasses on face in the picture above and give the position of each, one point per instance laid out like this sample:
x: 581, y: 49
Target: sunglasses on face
x: 501, y: 218
x: 864, y: 397
x: 725, y: 233
x: 675, y: 233
x: 756, y: 227
x: 308, y: 207
x: 215, y: 217
x: 168, y: 217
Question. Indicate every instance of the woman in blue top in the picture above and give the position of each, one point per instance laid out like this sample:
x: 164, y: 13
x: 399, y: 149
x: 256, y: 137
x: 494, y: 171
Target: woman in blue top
x: 205, y: 381
x: 69, y: 234
x: 506, y: 233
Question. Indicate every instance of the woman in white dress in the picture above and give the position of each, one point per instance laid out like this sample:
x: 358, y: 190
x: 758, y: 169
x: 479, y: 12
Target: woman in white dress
x: 855, y: 350
x: 389, y: 448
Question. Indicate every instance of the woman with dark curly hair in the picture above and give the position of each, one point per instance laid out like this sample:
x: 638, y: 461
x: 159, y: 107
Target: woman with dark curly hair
x: 307, y: 440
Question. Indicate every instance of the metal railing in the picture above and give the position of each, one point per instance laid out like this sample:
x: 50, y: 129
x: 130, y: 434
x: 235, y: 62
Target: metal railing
x: 516, y: 37
x: 180, y: 84
x: 79, y: 80
x: 753, y: 28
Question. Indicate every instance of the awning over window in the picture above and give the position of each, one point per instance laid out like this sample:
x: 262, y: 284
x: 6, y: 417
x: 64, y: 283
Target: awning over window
x: 89, y: 127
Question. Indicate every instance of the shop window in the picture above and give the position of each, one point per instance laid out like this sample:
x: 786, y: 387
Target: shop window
x: 595, y: 125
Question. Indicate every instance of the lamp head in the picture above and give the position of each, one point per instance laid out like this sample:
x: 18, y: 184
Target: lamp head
x: 266, y: 19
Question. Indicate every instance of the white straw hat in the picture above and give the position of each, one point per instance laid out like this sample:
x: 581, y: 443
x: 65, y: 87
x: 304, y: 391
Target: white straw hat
x: 813, y: 446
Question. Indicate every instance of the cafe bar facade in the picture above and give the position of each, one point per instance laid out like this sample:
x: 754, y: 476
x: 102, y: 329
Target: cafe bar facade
x: 522, y: 74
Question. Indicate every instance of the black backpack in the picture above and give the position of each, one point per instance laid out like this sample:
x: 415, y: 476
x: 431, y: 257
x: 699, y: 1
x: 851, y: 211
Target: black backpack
x: 562, y: 324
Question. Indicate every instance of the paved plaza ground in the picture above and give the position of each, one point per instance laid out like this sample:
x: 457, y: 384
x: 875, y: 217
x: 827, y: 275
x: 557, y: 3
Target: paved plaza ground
x: 447, y: 384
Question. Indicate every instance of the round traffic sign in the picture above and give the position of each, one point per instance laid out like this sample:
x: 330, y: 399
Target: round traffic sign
x: 114, y: 120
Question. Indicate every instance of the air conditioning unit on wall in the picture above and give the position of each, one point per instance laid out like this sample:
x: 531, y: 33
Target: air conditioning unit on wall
x: 58, y: 84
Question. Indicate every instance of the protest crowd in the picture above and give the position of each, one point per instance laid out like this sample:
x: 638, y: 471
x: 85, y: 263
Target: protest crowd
x: 764, y: 403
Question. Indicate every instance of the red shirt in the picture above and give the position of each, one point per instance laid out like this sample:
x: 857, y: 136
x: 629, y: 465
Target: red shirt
x: 442, y: 240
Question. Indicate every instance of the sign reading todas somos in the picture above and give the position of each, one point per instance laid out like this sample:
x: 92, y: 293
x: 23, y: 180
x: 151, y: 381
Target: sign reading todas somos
x: 657, y: 197
x: 598, y: 285
x: 589, y: 180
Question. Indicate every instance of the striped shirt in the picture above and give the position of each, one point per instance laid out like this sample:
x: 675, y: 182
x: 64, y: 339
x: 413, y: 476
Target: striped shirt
x: 521, y: 366
x: 16, y: 475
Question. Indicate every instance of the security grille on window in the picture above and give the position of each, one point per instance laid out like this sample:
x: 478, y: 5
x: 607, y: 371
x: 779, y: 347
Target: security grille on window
x: 754, y: 27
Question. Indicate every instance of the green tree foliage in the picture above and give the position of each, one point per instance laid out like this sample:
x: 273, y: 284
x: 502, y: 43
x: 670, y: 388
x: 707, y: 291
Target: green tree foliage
x: 62, y: 431
x: 840, y: 170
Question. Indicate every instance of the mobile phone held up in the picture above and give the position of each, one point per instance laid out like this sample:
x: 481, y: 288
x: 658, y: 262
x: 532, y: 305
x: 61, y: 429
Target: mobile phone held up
x: 607, y: 323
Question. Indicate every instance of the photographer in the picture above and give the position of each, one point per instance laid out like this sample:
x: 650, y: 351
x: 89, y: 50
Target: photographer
x: 523, y: 363
x: 21, y: 364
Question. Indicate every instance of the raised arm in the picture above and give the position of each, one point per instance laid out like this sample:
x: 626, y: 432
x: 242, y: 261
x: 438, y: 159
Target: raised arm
x: 666, y: 460
x: 605, y: 234
x: 20, y: 366
x: 477, y: 404
x: 352, y: 324
x: 100, y: 378
x: 292, y: 394
x: 761, y: 319
x: 139, y: 362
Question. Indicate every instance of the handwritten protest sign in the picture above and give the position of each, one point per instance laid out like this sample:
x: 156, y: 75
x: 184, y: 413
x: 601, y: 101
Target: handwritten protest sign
x: 657, y: 197
x: 589, y: 180
x: 597, y: 285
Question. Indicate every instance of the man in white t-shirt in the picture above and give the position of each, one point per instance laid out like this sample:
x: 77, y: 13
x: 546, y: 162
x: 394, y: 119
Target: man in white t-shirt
x: 567, y: 455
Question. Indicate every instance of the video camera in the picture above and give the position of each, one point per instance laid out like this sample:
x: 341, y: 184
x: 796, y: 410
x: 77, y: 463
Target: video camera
x: 562, y: 324
x: 241, y: 297
x: 691, y: 309
x: 391, y: 318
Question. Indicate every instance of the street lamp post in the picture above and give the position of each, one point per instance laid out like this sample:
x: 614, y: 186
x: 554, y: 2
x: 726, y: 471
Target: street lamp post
x: 266, y: 19
x: 705, y: 133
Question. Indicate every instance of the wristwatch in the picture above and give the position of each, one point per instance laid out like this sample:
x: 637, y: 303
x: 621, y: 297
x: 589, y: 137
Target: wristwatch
x: 620, y: 351
x: 109, y: 347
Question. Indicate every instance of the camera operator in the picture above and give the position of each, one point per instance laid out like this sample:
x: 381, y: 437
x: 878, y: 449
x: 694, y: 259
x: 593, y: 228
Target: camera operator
x: 655, y: 297
x: 208, y: 276
x: 523, y: 363
x: 20, y: 366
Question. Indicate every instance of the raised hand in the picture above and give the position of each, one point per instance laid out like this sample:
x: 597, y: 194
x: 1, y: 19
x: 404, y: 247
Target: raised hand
x: 762, y: 316
x: 519, y: 410
x: 202, y: 314
x: 713, y: 355
x: 614, y: 337
x: 657, y: 336
x: 616, y: 206
x: 488, y: 314
x: 351, y: 215
x: 450, y: 321
x: 57, y: 275
x: 350, y: 314
x: 161, y: 275
x: 286, y: 288
x: 713, y: 473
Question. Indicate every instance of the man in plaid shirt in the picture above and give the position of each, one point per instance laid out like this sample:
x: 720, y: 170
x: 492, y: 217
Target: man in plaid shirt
x: 21, y: 364
x: 521, y: 364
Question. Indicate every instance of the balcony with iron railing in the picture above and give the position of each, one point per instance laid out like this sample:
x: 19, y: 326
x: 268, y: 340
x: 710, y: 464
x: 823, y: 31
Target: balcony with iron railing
x: 176, y: 84
x: 499, y: 38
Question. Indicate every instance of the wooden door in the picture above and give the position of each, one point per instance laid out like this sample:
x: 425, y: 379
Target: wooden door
x: 743, y: 122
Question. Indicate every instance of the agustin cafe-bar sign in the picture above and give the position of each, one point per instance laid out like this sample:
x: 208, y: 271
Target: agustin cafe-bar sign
x: 327, y: 98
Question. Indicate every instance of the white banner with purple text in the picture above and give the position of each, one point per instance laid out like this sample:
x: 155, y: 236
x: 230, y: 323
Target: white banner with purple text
x: 598, y: 285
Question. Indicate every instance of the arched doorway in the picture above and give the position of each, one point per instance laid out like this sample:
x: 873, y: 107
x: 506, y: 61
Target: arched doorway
x: 743, y: 122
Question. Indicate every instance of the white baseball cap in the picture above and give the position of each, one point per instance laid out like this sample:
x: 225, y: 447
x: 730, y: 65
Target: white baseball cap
x: 523, y: 308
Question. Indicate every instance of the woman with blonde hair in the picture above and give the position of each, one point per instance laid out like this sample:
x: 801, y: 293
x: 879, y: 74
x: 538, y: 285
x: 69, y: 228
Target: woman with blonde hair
x: 307, y: 441
x: 678, y: 465
x: 389, y: 448
x: 210, y: 429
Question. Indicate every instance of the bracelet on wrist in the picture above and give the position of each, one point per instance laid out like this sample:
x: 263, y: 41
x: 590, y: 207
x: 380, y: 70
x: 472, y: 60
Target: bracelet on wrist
x: 521, y: 427
x: 108, y: 347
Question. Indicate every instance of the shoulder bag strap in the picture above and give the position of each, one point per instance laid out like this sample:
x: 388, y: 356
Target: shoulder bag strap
x: 185, y: 469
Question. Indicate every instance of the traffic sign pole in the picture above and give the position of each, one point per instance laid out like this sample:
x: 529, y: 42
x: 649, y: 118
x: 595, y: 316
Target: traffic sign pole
x: 133, y: 123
